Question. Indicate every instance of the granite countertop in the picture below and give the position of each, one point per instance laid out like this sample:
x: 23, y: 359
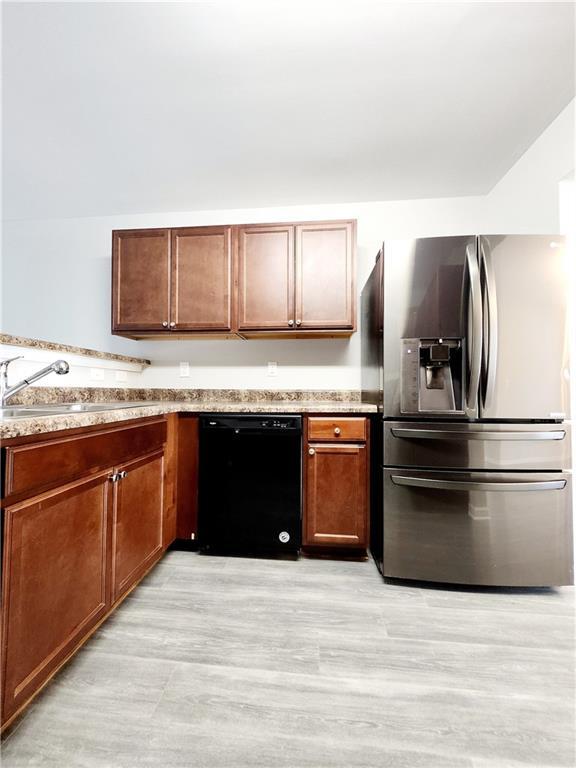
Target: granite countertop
x: 52, y: 422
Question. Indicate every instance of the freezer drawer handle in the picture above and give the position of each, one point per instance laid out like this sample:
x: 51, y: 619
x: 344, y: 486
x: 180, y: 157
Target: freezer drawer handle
x: 479, y: 485
x: 443, y: 434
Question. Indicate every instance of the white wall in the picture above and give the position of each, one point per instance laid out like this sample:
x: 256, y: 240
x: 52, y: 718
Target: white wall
x: 56, y: 273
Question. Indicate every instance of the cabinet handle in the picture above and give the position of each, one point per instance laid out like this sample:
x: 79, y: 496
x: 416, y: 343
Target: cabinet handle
x: 298, y: 322
x: 165, y: 324
x: 311, y: 451
x: 336, y: 430
x: 172, y: 324
x: 290, y: 322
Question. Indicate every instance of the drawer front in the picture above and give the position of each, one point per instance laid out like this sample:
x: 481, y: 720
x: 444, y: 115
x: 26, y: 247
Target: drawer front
x: 39, y: 466
x: 477, y: 446
x: 488, y: 528
x: 337, y: 428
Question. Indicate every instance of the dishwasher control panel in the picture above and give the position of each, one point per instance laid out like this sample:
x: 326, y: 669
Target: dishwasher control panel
x: 252, y: 423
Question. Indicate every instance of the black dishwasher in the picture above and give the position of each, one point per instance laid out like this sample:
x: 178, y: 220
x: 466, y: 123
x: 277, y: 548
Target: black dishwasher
x: 250, y: 484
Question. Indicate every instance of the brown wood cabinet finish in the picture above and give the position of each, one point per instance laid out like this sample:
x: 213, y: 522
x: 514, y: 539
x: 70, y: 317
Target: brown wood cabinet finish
x: 170, y: 480
x: 336, y: 495
x: 202, y: 279
x: 72, y: 551
x: 137, y: 521
x: 266, y: 277
x: 55, y: 582
x: 337, y: 428
x: 285, y: 280
x: 325, y: 283
x: 36, y: 466
x: 140, y: 280
x: 187, y: 502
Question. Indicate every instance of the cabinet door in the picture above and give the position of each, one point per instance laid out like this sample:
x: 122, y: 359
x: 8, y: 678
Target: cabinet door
x: 266, y: 277
x: 336, y: 495
x: 141, y: 280
x: 202, y: 279
x: 325, y: 284
x: 54, y: 581
x: 137, y: 521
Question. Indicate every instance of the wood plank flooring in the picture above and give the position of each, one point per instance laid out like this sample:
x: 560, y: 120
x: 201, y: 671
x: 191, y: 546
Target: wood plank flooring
x: 232, y: 662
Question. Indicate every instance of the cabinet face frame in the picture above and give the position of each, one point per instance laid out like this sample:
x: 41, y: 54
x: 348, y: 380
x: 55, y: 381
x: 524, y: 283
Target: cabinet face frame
x: 16, y: 693
x: 348, y: 320
x: 230, y: 240
x: 276, y: 323
x: 163, y: 308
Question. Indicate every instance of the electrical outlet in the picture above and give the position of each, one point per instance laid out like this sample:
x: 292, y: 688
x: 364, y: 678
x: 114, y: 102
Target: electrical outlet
x: 272, y: 369
x: 96, y: 374
x: 121, y: 376
x: 184, y: 370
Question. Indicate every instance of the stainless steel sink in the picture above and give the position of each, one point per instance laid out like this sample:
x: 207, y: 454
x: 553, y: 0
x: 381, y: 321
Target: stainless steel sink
x: 57, y: 409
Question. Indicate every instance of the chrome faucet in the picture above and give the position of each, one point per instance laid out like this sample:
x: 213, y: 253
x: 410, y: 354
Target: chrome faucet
x: 59, y: 366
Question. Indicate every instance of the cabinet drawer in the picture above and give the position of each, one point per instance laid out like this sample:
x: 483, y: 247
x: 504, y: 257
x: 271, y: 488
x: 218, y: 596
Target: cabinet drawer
x: 336, y: 429
x: 38, y: 466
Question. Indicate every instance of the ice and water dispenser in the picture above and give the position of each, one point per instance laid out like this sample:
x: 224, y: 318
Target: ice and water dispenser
x: 432, y: 376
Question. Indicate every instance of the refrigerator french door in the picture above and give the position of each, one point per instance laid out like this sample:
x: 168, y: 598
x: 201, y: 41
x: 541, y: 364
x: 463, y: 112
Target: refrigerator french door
x: 472, y: 384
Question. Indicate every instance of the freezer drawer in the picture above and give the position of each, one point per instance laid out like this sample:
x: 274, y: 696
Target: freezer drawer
x: 501, y: 529
x: 477, y: 446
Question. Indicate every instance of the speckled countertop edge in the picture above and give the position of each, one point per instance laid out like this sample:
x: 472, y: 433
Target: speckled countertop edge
x: 53, y: 423
x: 22, y: 341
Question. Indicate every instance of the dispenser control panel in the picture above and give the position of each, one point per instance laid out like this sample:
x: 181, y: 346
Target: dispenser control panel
x: 432, y: 376
x: 409, y: 400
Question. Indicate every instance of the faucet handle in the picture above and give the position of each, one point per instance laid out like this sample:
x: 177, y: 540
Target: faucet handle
x: 5, y: 363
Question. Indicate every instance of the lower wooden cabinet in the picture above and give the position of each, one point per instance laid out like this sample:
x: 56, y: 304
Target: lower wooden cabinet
x: 336, y: 486
x: 55, y: 583
x: 137, y: 520
x: 71, y: 552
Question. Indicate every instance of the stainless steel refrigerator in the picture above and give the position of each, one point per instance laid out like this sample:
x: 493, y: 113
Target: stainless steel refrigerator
x: 465, y: 350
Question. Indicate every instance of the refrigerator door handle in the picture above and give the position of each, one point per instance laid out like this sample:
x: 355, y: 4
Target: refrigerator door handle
x: 490, y: 316
x: 479, y: 485
x: 475, y: 334
x: 443, y: 434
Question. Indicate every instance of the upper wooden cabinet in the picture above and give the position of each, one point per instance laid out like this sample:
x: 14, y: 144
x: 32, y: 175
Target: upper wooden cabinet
x: 201, y: 279
x: 141, y: 280
x: 325, y: 281
x: 283, y: 280
x: 266, y: 277
x: 296, y: 277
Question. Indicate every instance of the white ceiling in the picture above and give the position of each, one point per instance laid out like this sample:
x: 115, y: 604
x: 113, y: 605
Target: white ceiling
x: 116, y: 108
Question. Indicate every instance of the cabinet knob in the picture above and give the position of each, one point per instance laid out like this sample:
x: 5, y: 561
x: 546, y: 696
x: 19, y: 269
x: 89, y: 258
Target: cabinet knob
x: 172, y: 324
x: 122, y: 474
x: 298, y: 322
x: 290, y: 322
x: 311, y: 451
x: 114, y: 478
x: 165, y: 324
x: 336, y: 430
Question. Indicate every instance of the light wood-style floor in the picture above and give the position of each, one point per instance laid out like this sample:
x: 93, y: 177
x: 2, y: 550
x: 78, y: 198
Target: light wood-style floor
x: 243, y: 662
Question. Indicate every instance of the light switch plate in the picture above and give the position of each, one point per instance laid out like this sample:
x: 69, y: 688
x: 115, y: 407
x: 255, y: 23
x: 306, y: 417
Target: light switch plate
x: 272, y: 369
x: 184, y: 370
x: 121, y: 376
